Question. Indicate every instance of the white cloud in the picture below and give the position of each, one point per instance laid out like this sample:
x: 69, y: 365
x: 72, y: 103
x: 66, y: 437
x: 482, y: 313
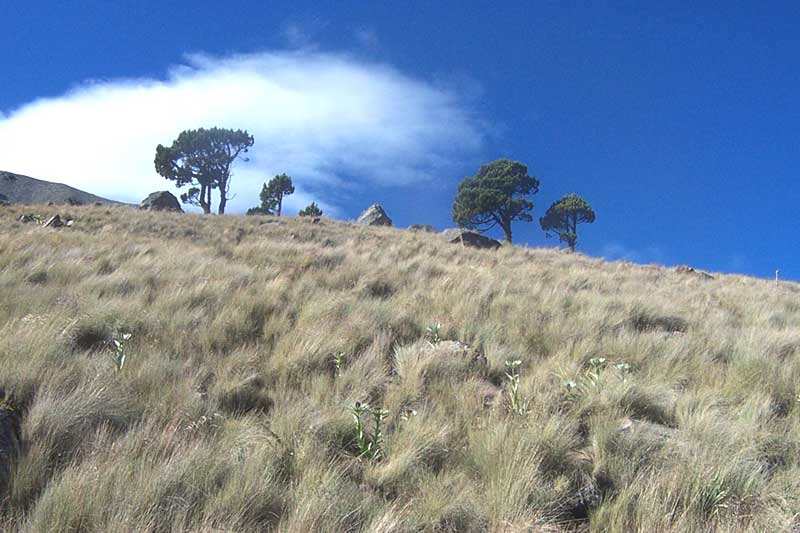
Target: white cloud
x: 332, y: 122
x: 615, y: 251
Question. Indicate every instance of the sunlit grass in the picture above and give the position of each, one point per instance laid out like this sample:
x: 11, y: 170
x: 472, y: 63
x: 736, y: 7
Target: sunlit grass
x: 184, y: 372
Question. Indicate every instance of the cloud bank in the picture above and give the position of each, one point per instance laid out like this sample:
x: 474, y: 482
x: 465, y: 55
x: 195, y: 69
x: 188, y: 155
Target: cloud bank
x: 334, y: 123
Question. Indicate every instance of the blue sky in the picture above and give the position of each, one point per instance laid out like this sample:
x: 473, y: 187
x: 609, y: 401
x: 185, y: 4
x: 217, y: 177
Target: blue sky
x: 679, y: 124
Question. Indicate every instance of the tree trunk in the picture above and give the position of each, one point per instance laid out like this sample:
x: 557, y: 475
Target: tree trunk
x: 202, y: 199
x: 574, y: 239
x: 223, y: 200
x: 507, y: 230
x: 280, y: 204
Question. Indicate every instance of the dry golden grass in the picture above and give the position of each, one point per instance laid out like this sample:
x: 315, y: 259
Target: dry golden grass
x: 230, y: 415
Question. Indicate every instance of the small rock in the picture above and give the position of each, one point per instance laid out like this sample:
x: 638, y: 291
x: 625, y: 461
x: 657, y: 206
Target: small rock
x: 470, y: 238
x: 26, y: 218
x: 161, y: 201
x: 69, y: 223
x: 457, y: 348
x: 53, y: 222
x: 315, y: 220
x: 426, y: 228
x: 686, y: 269
x: 649, y: 433
x: 374, y: 216
x: 489, y: 393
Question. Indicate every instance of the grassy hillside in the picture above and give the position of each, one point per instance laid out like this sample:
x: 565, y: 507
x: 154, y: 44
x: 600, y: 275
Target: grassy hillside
x: 646, y: 399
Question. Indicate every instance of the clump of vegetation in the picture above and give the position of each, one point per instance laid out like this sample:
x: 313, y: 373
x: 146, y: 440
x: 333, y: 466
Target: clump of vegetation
x: 434, y: 333
x: 368, y: 445
x: 118, y: 355
x: 591, y: 378
x: 338, y: 359
x: 517, y: 404
x: 272, y: 195
x: 311, y: 210
x: 644, y: 320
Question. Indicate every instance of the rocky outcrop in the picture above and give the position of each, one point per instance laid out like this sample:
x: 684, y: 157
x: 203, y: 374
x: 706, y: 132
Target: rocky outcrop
x: 686, y: 269
x: 470, y: 238
x: 374, y: 216
x: 161, y: 201
x: 427, y: 228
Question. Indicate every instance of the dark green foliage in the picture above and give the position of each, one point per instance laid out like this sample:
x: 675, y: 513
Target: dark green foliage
x: 495, y: 197
x: 311, y: 210
x: 202, y: 158
x: 272, y: 194
x: 562, y: 218
x: 37, y: 277
x: 643, y: 321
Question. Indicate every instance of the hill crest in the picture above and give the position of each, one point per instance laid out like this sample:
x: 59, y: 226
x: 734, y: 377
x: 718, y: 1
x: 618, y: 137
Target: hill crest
x: 21, y: 189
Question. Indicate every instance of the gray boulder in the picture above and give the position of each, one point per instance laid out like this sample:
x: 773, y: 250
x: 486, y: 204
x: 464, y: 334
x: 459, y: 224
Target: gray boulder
x: 9, y: 442
x: 161, y: 201
x: 427, y: 228
x: 374, y: 216
x: 470, y: 238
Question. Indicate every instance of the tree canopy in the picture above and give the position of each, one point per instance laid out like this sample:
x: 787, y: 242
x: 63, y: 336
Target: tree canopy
x: 202, y: 159
x: 311, y: 210
x: 562, y: 218
x: 495, y: 197
x: 272, y: 194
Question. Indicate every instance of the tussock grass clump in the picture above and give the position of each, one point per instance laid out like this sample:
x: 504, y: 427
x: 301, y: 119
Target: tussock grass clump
x: 174, y: 372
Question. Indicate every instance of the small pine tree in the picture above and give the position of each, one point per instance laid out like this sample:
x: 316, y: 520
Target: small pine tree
x: 311, y: 210
x: 272, y: 195
x: 562, y: 218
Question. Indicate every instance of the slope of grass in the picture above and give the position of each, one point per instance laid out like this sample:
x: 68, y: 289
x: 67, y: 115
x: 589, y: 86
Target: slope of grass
x: 647, y: 400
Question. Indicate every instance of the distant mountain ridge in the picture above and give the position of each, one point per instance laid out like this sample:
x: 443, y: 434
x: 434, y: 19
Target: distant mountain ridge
x: 19, y: 189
